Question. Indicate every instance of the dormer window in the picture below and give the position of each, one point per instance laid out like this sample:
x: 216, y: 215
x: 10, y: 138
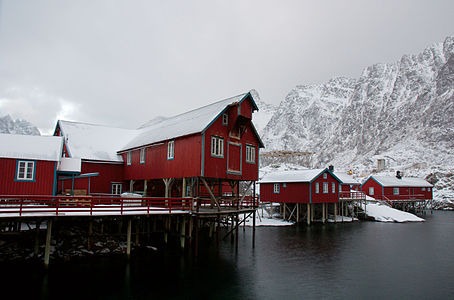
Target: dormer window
x: 225, y: 119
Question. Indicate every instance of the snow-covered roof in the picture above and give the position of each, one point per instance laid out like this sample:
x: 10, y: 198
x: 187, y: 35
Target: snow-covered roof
x: 31, y: 147
x: 292, y: 176
x: 67, y: 164
x: 95, y: 142
x: 346, y: 179
x: 388, y: 181
x: 191, y: 122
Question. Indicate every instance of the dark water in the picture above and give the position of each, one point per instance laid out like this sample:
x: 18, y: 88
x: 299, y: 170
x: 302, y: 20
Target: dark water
x: 334, y: 261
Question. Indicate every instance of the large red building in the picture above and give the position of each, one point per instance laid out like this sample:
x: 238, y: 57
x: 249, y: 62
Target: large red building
x: 204, y: 151
x: 397, y: 188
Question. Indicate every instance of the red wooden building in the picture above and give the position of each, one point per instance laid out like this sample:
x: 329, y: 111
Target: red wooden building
x: 394, y: 189
x: 29, y: 164
x: 310, y: 187
x: 205, y: 152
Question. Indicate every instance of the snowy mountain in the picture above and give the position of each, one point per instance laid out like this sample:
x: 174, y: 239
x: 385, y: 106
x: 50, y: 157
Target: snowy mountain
x: 8, y: 125
x: 402, y: 112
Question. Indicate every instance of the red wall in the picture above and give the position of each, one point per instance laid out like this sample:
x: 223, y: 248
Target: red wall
x: 298, y: 192
x: 216, y: 167
x: 186, y: 162
x: 108, y: 173
x: 43, y: 184
x: 405, y: 193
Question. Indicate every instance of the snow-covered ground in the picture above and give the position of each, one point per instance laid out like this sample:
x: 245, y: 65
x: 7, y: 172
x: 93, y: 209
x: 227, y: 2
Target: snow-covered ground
x: 263, y: 218
x: 383, y: 213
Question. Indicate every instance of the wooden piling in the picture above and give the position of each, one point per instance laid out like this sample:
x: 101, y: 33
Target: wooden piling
x: 48, y: 239
x: 128, y: 238
x: 183, y: 233
x: 36, y: 249
x: 308, y: 216
x: 335, y: 212
x: 323, y: 213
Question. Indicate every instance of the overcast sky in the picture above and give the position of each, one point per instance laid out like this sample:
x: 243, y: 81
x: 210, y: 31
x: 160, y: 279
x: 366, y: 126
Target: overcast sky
x: 121, y: 63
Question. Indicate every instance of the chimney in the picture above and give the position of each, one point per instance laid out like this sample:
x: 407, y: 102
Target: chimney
x: 398, y: 175
x: 331, y: 168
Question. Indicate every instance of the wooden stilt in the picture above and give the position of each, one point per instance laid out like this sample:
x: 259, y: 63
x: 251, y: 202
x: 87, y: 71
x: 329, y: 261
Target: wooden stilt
x: 218, y: 231
x: 323, y: 212
x: 183, y: 233
x: 232, y: 220
x: 145, y: 188
x: 271, y: 210
x: 128, y: 238
x: 236, y: 231
x: 36, y: 250
x: 297, y: 212
x: 190, y: 228
x: 342, y: 210
x: 308, y: 214
x: 137, y: 232
x: 335, y: 212
x: 196, y: 246
x: 312, y: 212
x: 285, y: 210
x: 48, y: 238
x: 253, y: 229
x: 90, y: 233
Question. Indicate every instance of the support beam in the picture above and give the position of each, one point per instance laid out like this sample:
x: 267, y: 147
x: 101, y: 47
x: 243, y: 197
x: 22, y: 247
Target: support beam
x: 36, y: 250
x: 183, y: 233
x: 145, y: 187
x: 128, y: 238
x: 253, y: 229
x: 308, y: 216
x: 213, y: 198
x: 335, y: 212
x: 131, y: 186
x: 90, y: 233
x: 297, y: 212
x: 48, y: 239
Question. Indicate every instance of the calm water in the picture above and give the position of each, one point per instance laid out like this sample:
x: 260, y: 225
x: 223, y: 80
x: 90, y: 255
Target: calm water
x: 334, y: 261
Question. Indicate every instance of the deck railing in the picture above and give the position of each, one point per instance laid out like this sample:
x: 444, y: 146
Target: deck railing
x: 14, y: 205
x: 352, y: 195
x: 230, y: 202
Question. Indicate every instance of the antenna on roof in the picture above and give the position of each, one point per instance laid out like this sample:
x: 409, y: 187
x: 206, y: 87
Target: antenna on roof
x: 398, y: 175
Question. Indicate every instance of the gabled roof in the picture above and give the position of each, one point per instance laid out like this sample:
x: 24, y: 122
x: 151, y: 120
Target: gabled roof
x: 346, y: 179
x: 391, y: 181
x: 194, y: 121
x: 33, y: 147
x: 295, y: 176
x: 95, y: 142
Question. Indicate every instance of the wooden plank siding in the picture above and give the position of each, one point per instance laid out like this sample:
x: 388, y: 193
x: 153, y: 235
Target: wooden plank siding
x: 43, y: 184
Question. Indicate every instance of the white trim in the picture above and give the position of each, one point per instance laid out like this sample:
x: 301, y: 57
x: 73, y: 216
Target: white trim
x: 371, y: 191
x: 395, y: 191
x: 116, y: 188
x: 27, y: 167
x: 317, y: 188
x: 170, y: 150
x: 217, y: 146
x: 276, y: 188
x: 250, y: 154
x: 128, y: 158
x: 325, y: 187
x: 142, y: 155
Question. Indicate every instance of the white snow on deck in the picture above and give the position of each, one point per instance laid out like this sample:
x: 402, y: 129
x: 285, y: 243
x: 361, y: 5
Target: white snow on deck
x: 384, y: 213
x: 31, y: 147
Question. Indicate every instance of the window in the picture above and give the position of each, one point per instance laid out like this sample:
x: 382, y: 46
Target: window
x: 128, y: 158
x: 317, y: 188
x: 142, y: 155
x: 117, y: 188
x: 371, y: 191
x: 325, y: 176
x: 284, y: 185
x: 25, y: 170
x: 423, y: 189
x: 333, y: 187
x: 225, y: 119
x: 250, y: 154
x: 170, y: 150
x: 217, y: 146
x: 428, y: 189
x: 276, y: 188
x: 396, y: 191
x: 325, y: 187
x: 340, y: 187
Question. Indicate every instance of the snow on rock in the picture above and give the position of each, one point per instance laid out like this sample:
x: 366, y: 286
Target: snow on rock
x: 383, y: 213
x: 8, y: 125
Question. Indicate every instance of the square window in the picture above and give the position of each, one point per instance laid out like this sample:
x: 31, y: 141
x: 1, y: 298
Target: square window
x: 217, y: 146
x: 325, y: 187
x: 423, y: 189
x: 142, y: 155
x: 317, y: 188
x: 250, y: 154
x: 128, y: 158
x: 428, y: 189
x: 325, y: 176
x: 225, y: 119
x: 171, y: 150
x: 284, y: 185
x: 396, y: 191
x: 117, y: 188
x: 371, y: 191
x: 25, y: 170
x: 276, y: 188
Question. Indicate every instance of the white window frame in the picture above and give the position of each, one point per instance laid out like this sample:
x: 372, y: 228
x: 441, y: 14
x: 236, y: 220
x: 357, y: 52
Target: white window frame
x: 333, y: 187
x: 423, y: 189
x: 142, y: 155
x: 116, y: 188
x: 371, y: 191
x: 317, y: 188
x: 170, y: 150
x: 428, y: 189
x: 395, y: 191
x: 225, y: 119
x: 284, y: 185
x: 128, y: 158
x: 340, y: 187
x: 28, y: 170
x: 250, y: 154
x: 276, y: 188
x: 325, y: 176
x: 217, y: 146
x: 325, y: 188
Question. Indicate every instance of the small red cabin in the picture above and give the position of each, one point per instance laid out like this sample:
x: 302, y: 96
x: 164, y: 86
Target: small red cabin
x: 29, y: 164
x: 397, y: 188
x: 302, y: 186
